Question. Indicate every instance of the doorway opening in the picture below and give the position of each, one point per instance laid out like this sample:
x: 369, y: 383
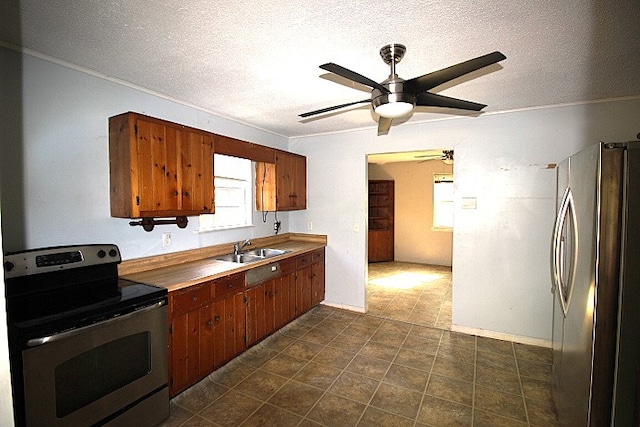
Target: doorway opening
x: 414, y: 284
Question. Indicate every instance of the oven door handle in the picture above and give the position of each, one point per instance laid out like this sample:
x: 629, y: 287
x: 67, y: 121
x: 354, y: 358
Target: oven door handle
x: 34, y: 342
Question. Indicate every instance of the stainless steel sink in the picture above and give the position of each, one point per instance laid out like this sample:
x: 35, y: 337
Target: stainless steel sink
x: 253, y: 255
x: 265, y: 252
x: 240, y: 258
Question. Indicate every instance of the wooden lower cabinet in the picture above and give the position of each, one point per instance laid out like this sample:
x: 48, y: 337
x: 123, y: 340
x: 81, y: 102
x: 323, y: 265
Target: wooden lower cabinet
x: 207, y: 329
x: 223, y: 332
x: 260, y: 311
x: 186, y: 308
x: 184, y: 368
x: 213, y: 322
x: 317, y: 277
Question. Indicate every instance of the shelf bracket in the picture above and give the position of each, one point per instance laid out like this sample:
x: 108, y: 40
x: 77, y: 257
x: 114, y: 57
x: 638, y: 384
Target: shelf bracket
x: 149, y: 223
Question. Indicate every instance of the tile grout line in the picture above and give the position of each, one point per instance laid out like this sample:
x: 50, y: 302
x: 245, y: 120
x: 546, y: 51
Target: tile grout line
x: 524, y: 401
x: 426, y: 386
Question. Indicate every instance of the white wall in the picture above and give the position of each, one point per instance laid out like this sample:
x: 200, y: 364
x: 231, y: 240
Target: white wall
x: 63, y: 178
x: 415, y: 240
x: 501, y: 249
x: 6, y: 402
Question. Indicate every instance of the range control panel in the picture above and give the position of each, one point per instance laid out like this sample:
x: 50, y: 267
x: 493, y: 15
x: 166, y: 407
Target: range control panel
x: 36, y: 261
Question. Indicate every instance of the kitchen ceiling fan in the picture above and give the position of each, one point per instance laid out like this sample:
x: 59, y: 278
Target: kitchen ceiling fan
x: 396, y: 97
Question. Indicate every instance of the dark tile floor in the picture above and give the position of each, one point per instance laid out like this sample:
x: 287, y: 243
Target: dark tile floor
x: 335, y: 368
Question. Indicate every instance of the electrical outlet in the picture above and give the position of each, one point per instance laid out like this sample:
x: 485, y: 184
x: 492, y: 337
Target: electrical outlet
x: 356, y: 227
x: 166, y: 239
x: 310, y: 225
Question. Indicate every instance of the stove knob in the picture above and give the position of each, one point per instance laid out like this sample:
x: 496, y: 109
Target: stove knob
x: 113, y: 253
x: 8, y: 266
x: 101, y: 253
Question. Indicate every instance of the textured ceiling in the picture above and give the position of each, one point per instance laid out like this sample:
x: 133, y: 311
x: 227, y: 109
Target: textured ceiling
x: 257, y: 61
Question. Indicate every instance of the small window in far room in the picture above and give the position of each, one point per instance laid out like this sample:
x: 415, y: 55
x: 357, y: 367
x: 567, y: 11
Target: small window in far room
x: 443, y: 201
x: 233, y: 194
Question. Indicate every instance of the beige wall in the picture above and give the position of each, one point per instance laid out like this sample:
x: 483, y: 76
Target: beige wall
x: 414, y: 239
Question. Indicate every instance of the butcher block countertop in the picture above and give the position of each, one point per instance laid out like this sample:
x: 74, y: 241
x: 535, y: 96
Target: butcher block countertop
x: 182, y: 269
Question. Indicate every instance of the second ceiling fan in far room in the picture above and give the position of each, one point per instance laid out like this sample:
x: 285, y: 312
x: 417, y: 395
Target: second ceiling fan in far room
x: 396, y: 97
x: 446, y: 157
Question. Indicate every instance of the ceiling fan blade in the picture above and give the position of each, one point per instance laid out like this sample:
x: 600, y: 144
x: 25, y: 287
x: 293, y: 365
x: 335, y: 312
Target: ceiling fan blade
x: 335, y: 107
x: 428, y: 99
x: 421, y: 84
x: 429, y: 156
x: 353, y: 76
x: 384, y: 124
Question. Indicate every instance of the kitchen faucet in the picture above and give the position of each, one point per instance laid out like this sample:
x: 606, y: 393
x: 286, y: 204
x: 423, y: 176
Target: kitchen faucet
x: 238, y: 246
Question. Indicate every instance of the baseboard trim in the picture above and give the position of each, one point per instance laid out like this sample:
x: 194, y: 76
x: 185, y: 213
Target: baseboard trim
x: 344, y: 307
x: 501, y: 336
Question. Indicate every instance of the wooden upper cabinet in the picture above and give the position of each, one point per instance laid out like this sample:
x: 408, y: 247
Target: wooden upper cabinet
x: 282, y: 186
x: 159, y: 168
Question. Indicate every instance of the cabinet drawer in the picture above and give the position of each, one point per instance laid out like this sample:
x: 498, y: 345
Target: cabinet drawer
x: 317, y: 256
x: 189, y: 299
x: 303, y: 261
x: 288, y: 265
x: 227, y: 285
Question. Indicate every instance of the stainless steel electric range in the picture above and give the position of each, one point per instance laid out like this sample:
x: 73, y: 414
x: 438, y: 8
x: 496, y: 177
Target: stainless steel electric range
x: 86, y: 347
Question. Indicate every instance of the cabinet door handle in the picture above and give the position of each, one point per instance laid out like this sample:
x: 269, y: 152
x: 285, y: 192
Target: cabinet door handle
x: 217, y: 318
x: 194, y: 298
x: 210, y: 323
x: 186, y: 194
x: 175, y: 193
x: 230, y: 285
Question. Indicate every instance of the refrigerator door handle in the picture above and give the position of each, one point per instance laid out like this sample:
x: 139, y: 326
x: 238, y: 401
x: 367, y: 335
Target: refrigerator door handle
x: 558, y: 271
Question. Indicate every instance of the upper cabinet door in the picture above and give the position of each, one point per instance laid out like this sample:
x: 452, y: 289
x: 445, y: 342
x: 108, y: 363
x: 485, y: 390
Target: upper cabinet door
x: 156, y: 162
x: 159, y: 168
x: 197, y: 172
x: 291, y: 181
x: 282, y: 186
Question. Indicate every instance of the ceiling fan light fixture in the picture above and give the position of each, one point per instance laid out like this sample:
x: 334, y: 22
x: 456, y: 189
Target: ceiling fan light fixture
x: 393, y: 110
x: 393, y: 105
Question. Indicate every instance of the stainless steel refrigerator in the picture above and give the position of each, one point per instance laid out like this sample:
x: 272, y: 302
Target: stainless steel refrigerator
x: 595, y: 264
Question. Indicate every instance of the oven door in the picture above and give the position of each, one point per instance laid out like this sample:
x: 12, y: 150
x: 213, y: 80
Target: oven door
x: 98, y: 373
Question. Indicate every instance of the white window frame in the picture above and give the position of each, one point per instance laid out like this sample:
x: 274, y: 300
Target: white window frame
x: 233, y: 182
x: 442, y: 202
